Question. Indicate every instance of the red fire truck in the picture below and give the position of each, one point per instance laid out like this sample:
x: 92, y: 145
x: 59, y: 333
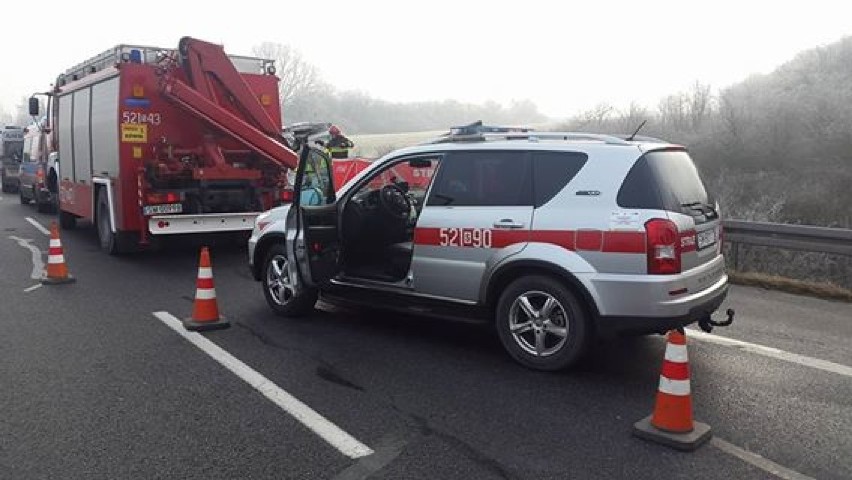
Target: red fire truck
x: 155, y: 141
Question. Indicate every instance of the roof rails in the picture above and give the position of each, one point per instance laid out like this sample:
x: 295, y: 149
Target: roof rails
x: 477, y: 132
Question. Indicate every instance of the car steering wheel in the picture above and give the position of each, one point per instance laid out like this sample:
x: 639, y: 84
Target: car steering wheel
x: 394, y: 201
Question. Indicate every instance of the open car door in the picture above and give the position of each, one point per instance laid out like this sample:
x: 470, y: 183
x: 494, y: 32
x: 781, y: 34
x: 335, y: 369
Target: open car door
x: 317, y: 234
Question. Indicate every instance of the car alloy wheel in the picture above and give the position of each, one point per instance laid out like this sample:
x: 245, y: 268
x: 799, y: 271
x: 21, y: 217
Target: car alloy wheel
x: 278, y: 280
x: 538, y: 323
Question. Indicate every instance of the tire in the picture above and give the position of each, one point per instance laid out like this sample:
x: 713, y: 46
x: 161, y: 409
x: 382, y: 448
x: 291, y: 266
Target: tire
x: 24, y: 200
x: 276, y: 286
x: 564, y: 332
x: 67, y: 221
x: 108, y: 239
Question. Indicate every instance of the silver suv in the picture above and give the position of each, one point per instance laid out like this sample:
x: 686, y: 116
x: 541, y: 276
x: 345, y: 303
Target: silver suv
x: 555, y: 238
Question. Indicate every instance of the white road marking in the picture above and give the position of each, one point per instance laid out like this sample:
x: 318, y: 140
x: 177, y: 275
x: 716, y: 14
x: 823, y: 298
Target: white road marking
x: 39, y: 226
x: 318, y: 424
x: 38, y: 263
x: 773, y: 353
x: 758, y: 461
x: 34, y: 287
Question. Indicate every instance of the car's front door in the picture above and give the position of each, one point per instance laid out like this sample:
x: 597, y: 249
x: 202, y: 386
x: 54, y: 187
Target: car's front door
x: 317, y: 244
x: 479, y: 210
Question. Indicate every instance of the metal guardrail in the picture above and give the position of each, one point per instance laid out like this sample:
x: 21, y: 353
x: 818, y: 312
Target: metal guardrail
x: 791, y: 237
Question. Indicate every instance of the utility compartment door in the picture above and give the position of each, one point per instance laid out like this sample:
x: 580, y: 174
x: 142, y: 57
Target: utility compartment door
x: 318, y: 234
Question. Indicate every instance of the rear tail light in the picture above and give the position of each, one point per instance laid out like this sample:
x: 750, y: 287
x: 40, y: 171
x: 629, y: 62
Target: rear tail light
x: 170, y: 197
x: 664, y: 247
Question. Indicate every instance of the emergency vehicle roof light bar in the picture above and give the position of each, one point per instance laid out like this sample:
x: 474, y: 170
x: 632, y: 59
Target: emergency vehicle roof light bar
x: 476, y: 132
x: 478, y: 127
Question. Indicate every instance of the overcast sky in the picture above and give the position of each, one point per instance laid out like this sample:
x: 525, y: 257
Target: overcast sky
x: 565, y: 56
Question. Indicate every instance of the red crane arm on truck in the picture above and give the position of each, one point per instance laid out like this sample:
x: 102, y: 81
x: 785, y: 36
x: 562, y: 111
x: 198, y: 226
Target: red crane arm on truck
x: 206, y: 65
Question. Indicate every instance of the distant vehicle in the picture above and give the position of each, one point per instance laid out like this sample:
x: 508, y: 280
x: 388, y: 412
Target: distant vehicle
x: 11, y: 146
x: 553, y: 237
x: 35, y: 183
x: 154, y: 141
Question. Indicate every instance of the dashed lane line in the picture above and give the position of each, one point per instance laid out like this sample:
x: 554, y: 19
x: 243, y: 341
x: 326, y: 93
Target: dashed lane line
x: 38, y: 226
x: 772, y: 352
x: 331, y: 433
x: 758, y: 461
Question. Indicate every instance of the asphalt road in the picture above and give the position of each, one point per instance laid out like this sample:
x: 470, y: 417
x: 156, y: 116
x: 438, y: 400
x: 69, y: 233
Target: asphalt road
x: 93, y: 385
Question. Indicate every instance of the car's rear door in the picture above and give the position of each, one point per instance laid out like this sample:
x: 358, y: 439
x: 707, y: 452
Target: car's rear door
x: 690, y: 207
x: 478, y: 211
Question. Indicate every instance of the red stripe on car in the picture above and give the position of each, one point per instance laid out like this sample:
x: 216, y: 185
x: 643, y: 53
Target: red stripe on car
x: 590, y: 240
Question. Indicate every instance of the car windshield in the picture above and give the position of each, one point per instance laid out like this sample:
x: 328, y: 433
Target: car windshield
x: 415, y: 179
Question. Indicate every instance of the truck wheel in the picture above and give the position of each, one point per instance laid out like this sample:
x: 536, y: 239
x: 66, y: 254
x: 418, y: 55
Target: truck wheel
x: 278, y: 288
x: 541, y: 323
x: 108, y: 239
x: 24, y: 200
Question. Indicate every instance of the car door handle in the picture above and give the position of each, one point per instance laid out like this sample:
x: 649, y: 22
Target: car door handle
x: 508, y: 223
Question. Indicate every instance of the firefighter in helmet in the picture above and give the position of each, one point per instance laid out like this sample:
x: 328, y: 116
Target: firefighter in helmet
x: 339, y: 145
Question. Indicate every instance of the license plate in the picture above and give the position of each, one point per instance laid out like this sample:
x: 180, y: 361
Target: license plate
x: 706, y: 238
x: 161, y: 209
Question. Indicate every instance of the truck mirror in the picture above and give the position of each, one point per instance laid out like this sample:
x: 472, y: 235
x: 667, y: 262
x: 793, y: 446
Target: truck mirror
x: 33, y: 106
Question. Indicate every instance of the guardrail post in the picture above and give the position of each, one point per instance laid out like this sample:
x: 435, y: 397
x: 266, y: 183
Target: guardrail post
x: 735, y: 246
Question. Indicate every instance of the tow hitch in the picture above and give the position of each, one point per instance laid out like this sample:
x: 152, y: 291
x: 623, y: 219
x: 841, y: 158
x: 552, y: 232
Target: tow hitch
x: 707, y: 323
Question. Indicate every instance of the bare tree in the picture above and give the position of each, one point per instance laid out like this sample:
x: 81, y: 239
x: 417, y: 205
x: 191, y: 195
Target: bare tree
x: 699, y: 105
x: 298, y: 77
x: 596, y: 117
x: 673, y: 111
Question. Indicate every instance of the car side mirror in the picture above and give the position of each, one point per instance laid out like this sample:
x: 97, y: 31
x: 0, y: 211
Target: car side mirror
x: 33, y: 106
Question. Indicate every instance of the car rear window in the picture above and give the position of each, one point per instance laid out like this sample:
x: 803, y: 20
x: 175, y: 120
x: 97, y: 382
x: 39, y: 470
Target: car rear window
x: 666, y: 180
x: 552, y: 171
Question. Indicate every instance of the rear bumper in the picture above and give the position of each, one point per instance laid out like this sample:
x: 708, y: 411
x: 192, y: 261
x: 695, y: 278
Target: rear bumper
x: 632, y: 325
x: 204, y: 223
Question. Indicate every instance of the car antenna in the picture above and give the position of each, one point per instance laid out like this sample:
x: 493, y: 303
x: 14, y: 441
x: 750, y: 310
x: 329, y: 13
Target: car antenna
x: 630, y: 138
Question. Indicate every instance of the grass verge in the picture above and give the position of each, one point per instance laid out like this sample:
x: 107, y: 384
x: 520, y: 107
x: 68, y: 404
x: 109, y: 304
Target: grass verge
x: 827, y: 291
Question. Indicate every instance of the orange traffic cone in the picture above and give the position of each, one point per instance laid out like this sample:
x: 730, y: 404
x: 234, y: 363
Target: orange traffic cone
x: 205, y: 310
x: 56, y: 270
x: 671, y: 423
